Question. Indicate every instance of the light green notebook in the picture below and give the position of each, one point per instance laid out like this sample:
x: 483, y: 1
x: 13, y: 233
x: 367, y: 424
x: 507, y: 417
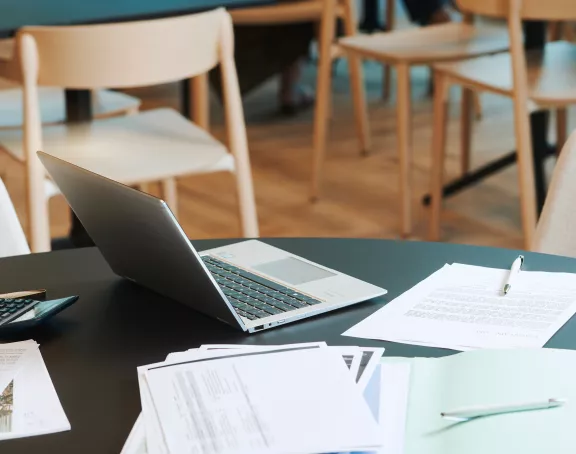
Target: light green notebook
x: 492, y: 377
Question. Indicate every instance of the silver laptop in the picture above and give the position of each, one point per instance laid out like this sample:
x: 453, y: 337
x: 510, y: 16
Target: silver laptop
x: 249, y: 285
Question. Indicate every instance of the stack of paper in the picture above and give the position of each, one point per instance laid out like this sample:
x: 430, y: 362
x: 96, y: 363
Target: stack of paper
x: 29, y: 404
x: 298, y: 398
x: 462, y: 307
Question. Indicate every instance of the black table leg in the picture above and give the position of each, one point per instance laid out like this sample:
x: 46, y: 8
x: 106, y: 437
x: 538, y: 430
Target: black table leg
x: 541, y: 149
x: 78, y: 108
x: 371, y: 14
x: 185, y: 98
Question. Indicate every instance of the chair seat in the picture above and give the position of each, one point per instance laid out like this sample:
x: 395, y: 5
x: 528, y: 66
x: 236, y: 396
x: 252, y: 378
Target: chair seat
x: 150, y: 146
x: 106, y: 103
x: 444, y: 42
x: 551, y: 74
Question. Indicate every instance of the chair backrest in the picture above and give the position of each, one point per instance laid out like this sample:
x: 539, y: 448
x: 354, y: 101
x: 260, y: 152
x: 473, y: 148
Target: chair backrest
x: 528, y: 9
x: 123, y: 54
x: 556, y: 232
x: 12, y: 239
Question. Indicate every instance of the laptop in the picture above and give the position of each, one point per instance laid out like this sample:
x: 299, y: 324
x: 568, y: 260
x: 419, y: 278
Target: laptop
x: 249, y: 285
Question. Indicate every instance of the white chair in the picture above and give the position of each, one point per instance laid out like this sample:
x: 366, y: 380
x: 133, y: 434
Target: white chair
x: 404, y: 49
x: 545, y: 78
x: 325, y: 13
x: 12, y: 239
x: 156, y: 145
x: 556, y: 229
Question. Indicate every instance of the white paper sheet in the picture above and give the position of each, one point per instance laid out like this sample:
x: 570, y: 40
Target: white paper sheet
x: 461, y: 307
x: 150, y: 437
x: 136, y: 442
x: 257, y: 403
x: 394, y: 394
x: 13, y: 356
x: 36, y: 407
x: 367, y: 376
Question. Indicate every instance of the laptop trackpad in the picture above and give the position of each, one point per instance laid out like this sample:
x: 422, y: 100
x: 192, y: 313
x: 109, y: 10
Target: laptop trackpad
x: 293, y: 271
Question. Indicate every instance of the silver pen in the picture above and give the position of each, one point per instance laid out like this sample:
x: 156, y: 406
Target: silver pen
x: 462, y: 414
x: 514, y: 270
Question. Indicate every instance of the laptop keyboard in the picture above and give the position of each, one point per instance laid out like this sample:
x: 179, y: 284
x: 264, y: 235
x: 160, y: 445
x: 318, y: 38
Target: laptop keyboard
x: 252, y: 296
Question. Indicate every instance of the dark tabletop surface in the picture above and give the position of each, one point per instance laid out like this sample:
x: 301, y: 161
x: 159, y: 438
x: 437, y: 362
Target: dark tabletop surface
x: 17, y: 13
x: 92, y: 349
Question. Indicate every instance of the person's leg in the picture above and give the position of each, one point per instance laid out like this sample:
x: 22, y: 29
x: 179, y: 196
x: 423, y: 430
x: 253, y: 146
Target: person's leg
x: 427, y: 12
x: 370, y: 16
x: 294, y: 97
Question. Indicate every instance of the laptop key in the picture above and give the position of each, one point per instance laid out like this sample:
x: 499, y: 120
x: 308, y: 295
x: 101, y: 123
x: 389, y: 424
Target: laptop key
x: 279, y: 304
x: 274, y: 310
x: 296, y: 303
x: 253, y: 311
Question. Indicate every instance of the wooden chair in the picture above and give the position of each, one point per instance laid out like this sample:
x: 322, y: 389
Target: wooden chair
x: 156, y: 145
x: 12, y: 238
x: 422, y: 46
x: 325, y: 12
x: 543, y: 78
x: 557, y: 224
x: 106, y: 103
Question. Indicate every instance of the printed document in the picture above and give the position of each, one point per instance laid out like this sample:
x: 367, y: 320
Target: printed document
x: 262, y: 402
x: 146, y: 436
x: 462, y: 307
x: 29, y: 405
x: 13, y: 356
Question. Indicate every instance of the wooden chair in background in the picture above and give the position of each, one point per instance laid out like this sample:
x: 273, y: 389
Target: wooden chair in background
x: 545, y: 78
x: 557, y: 224
x: 423, y: 46
x: 157, y: 145
x: 12, y: 238
x: 325, y: 12
x: 106, y: 103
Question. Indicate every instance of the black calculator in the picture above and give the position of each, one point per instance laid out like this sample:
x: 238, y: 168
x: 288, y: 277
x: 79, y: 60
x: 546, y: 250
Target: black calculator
x: 12, y: 308
x: 23, y: 313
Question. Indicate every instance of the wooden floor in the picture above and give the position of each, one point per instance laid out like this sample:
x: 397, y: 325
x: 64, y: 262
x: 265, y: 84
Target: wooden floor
x: 359, y: 193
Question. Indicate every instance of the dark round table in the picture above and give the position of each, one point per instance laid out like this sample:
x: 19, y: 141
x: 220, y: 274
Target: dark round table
x: 92, y: 349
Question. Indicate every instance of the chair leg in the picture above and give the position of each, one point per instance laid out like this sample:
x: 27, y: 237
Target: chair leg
x: 438, y: 153
x: 246, y: 202
x: 403, y: 114
x: 359, y: 100
x: 466, y: 124
x: 143, y: 187
x: 170, y: 194
x: 525, y: 172
x: 389, y: 23
x: 37, y: 204
x: 200, y: 93
x: 323, y: 91
x: 477, y: 106
x: 561, y: 128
